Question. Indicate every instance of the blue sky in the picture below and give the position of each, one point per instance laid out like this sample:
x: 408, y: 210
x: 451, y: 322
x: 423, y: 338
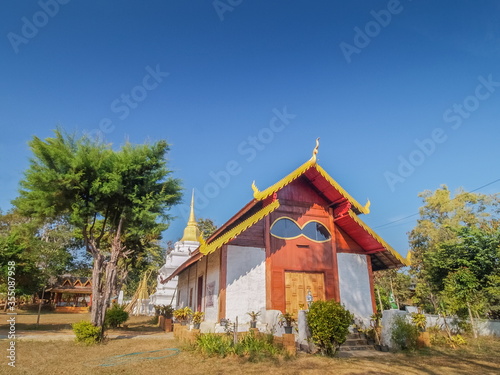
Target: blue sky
x: 405, y: 95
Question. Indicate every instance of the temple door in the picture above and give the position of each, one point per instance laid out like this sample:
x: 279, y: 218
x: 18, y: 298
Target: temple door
x: 297, y: 285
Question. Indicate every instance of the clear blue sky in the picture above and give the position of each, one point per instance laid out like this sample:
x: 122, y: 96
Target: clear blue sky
x: 369, y: 77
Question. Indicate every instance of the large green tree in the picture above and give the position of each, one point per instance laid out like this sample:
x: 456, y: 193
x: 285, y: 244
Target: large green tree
x: 116, y: 199
x: 455, y: 249
x: 39, y: 248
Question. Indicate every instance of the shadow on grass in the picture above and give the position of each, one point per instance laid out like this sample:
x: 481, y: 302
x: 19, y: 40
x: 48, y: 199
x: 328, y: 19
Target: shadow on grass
x: 437, y: 361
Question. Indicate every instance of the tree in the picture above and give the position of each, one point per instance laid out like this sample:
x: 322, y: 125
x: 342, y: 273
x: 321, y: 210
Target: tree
x: 116, y: 200
x: 40, y: 250
x: 207, y: 227
x: 392, y: 281
x: 453, y: 234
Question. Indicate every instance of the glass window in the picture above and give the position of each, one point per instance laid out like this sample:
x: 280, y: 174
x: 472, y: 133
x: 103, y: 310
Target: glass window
x: 316, y: 231
x: 285, y: 228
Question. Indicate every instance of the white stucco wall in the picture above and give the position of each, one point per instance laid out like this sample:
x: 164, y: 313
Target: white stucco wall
x: 182, y: 290
x: 246, y: 281
x: 212, y: 279
x: 354, y: 285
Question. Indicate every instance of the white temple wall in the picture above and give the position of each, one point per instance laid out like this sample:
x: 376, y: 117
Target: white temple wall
x: 245, y: 281
x: 354, y: 285
x: 211, y: 292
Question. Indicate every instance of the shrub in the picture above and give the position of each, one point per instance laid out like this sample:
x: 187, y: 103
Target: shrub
x: 464, y: 326
x: 419, y: 320
x: 251, y: 345
x: 115, y: 316
x: 256, y: 348
x: 329, y: 325
x: 211, y: 344
x: 404, y: 334
x: 87, y: 333
x: 456, y: 340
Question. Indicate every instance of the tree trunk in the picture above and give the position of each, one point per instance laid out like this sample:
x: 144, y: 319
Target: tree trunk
x: 380, y: 301
x: 96, y: 313
x: 472, y: 321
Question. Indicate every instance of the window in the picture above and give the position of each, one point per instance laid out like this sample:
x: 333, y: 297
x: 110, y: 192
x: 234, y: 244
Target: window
x: 287, y: 228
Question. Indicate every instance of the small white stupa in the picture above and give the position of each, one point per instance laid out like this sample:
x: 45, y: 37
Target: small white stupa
x: 166, y: 292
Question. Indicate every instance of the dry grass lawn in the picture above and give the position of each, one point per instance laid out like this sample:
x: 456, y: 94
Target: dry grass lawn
x: 60, y: 357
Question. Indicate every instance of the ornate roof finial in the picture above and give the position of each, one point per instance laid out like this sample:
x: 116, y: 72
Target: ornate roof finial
x: 191, y: 232
x: 255, y: 189
x: 315, y: 151
x: 366, y: 207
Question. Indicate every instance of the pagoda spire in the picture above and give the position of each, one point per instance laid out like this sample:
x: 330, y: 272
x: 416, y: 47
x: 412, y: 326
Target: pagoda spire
x: 191, y: 232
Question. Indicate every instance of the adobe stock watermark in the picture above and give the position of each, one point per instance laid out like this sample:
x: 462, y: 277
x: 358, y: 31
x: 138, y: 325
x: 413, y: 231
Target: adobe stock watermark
x: 123, y: 105
x: 248, y: 149
x: 455, y: 116
x: 363, y: 36
x: 31, y: 26
x: 223, y: 6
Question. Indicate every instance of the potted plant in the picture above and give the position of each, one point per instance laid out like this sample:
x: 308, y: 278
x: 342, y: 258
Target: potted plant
x: 253, y: 316
x: 420, y: 321
x: 197, y: 319
x: 182, y: 315
x: 166, y: 311
x: 286, y: 321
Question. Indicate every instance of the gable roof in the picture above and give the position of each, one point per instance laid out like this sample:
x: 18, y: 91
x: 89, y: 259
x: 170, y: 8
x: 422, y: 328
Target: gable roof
x: 346, y: 211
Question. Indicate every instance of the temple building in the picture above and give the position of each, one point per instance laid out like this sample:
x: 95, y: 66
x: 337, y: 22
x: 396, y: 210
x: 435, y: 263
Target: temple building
x: 300, y: 239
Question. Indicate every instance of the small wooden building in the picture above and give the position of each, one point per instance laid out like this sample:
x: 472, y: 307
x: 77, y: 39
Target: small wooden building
x: 300, y: 237
x: 71, y: 294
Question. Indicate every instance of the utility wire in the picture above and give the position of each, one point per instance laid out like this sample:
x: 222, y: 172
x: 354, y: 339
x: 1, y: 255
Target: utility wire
x: 407, y: 217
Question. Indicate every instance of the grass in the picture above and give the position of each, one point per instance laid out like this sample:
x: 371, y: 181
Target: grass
x: 61, y: 322
x: 66, y: 357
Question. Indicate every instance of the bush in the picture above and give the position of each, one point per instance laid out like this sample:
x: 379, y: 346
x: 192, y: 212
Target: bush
x: 256, y: 348
x: 115, y: 316
x: 211, y: 344
x: 404, y: 334
x: 329, y: 325
x: 87, y: 333
x: 251, y: 345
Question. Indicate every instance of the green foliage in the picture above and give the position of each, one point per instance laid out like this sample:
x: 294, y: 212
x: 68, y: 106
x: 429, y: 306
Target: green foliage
x: 164, y: 310
x: 183, y: 313
x: 256, y: 348
x: 197, y: 317
x: 456, y: 340
x: 404, y: 334
x: 419, y: 320
x: 461, y: 290
x: 116, y: 199
x: 249, y: 345
x: 329, y: 325
x: 206, y: 227
x: 286, y: 319
x: 454, y: 235
x: 40, y: 249
x: 87, y: 333
x: 116, y: 316
x: 387, y: 281
x: 211, y: 344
